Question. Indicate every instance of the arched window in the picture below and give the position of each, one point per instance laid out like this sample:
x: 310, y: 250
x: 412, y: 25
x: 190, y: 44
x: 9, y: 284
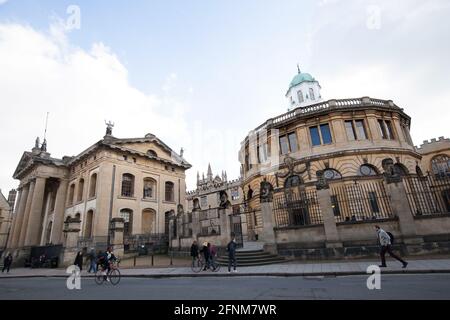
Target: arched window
x: 311, y: 94
x: 300, y: 96
x: 331, y: 174
x: 80, y: 189
x: 88, y: 225
x: 367, y: 170
x: 149, y: 188
x: 170, y: 191
x: 127, y: 185
x: 148, y: 221
x: 127, y: 215
x: 292, y: 181
x: 152, y: 153
x: 400, y: 169
x: 93, y: 186
x: 440, y: 165
x: 71, y: 193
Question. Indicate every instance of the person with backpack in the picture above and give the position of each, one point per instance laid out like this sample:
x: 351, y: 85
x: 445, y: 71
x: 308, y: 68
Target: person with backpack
x: 231, y: 248
x: 93, y: 261
x: 386, y: 239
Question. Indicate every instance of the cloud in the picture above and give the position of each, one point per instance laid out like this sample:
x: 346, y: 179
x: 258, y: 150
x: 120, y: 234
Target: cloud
x: 43, y: 72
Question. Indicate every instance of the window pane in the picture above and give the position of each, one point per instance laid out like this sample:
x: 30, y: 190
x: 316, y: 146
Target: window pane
x: 284, y: 145
x: 349, y: 129
x: 311, y: 94
x: 315, y: 138
x: 326, y: 134
x: 390, y: 132
x: 293, y: 142
x: 382, y: 129
x: 263, y: 153
x: 360, y: 129
x: 300, y: 96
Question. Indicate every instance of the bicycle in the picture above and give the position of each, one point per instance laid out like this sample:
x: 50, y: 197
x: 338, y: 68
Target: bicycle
x: 199, y: 264
x: 113, y: 274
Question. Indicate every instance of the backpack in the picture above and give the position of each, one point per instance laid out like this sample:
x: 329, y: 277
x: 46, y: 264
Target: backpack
x: 391, y: 236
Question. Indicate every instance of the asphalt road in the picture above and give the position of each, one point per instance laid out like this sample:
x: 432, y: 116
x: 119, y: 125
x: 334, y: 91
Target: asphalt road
x: 420, y: 286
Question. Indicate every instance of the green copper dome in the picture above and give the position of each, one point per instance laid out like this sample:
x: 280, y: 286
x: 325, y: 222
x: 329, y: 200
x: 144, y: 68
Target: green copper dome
x: 301, y: 77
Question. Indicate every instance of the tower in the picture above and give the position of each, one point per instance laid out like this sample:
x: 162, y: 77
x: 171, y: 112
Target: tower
x: 303, y: 90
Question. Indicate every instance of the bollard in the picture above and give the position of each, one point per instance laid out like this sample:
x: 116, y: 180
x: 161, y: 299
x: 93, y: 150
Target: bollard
x: 171, y: 256
x: 135, y: 261
x: 152, y: 260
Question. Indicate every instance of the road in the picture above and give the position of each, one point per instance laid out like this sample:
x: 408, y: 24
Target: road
x: 419, y: 286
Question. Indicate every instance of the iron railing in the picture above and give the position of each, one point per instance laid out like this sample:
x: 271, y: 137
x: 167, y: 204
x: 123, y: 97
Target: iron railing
x: 360, y: 201
x: 296, y: 207
x: 98, y: 242
x: 428, y: 195
x: 133, y: 242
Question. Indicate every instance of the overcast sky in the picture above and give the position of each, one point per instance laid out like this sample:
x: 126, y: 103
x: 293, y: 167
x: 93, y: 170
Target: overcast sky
x: 201, y: 74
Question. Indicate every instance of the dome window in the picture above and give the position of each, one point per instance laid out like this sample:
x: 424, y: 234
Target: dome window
x: 300, y: 96
x: 311, y: 94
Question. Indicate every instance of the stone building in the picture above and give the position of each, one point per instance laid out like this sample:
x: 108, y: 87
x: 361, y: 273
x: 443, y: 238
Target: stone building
x: 319, y: 176
x: 213, y: 209
x: 6, y: 212
x: 129, y: 185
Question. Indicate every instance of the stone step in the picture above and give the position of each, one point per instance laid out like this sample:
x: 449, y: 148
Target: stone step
x: 253, y: 263
x: 261, y: 257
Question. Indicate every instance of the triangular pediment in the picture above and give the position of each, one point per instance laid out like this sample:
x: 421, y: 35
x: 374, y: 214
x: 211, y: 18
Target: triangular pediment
x: 25, y: 161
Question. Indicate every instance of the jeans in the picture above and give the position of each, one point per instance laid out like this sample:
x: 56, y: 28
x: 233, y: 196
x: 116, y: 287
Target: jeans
x: 231, y: 262
x: 6, y: 267
x: 388, y: 249
x: 93, y: 266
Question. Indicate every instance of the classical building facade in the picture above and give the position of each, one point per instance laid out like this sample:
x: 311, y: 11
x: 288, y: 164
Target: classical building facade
x: 6, y: 215
x: 315, y: 176
x: 139, y: 182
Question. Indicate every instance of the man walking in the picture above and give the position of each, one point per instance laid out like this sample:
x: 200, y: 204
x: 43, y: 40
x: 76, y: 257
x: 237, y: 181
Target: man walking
x: 386, y: 246
x: 7, y: 261
x: 231, y: 248
x: 93, y: 261
x: 194, y: 252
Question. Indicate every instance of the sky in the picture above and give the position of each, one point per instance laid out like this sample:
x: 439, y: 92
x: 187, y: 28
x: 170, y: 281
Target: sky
x: 200, y: 74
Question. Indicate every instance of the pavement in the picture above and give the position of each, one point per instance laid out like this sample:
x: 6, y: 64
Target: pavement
x: 291, y: 269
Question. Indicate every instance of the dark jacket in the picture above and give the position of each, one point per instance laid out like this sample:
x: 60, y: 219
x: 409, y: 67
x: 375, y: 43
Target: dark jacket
x: 231, y: 248
x: 194, y: 250
x: 7, y: 261
x: 205, y: 251
x: 79, y: 261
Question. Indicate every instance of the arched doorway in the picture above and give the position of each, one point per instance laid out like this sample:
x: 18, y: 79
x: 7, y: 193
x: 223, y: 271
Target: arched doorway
x: 127, y: 215
x: 148, y: 221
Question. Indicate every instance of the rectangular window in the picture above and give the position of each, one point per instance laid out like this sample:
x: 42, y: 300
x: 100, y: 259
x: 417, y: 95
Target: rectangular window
x: 373, y: 202
x: 351, y: 135
x: 293, y: 142
x: 311, y: 94
x: 262, y: 153
x: 315, y: 138
x: 382, y: 129
x: 284, y: 147
x: 326, y: 133
x: 360, y: 129
x: 203, y: 202
x: 300, y: 96
x: 335, y: 205
x: 390, y: 131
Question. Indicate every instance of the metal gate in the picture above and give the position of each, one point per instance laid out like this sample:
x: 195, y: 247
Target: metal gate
x: 236, y: 229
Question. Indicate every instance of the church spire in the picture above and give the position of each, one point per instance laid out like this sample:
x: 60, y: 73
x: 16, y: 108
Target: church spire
x: 209, y: 174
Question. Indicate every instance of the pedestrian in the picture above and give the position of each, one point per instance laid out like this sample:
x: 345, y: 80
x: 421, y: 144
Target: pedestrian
x: 7, y: 261
x: 231, y: 248
x: 205, y: 251
x: 212, y: 254
x: 93, y: 261
x: 79, y: 260
x: 386, y: 246
x: 194, y: 252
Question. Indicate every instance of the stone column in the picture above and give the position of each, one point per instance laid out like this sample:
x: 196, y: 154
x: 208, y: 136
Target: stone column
x: 24, y: 226
x: 268, y: 233
x: 117, y: 225
x: 18, y: 217
x: 43, y: 237
x: 225, y: 232
x: 400, y: 208
x: 34, y: 220
x: 58, y: 218
x: 71, y: 232
x: 329, y: 222
x: 195, y: 224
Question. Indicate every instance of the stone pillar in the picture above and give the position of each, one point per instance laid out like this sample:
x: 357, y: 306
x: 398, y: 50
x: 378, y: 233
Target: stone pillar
x: 117, y: 225
x: 268, y: 233
x: 71, y: 233
x: 43, y: 237
x: 34, y: 221
x: 24, y: 226
x: 58, y: 218
x: 224, y: 220
x: 195, y: 224
x: 400, y: 208
x: 18, y: 217
x: 329, y: 222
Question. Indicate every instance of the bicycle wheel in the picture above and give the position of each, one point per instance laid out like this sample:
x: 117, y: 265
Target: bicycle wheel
x: 215, y: 267
x: 99, y: 277
x: 197, y: 265
x: 114, y: 276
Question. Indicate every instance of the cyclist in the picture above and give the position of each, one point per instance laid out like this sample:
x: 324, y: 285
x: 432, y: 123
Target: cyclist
x: 206, y: 255
x: 105, y: 260
x: 194, y: 251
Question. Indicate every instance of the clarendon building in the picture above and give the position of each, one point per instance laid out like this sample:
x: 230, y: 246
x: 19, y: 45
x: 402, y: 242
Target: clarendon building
x: 115, y: 189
